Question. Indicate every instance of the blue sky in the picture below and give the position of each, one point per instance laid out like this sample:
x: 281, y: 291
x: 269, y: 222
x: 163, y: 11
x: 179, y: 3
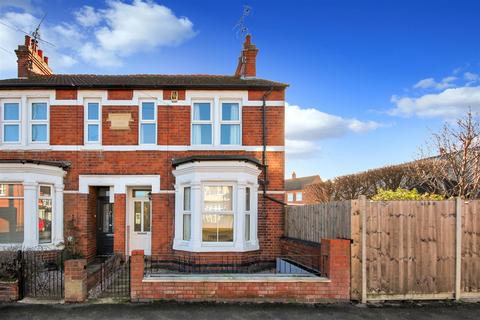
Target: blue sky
x: 369, y: 80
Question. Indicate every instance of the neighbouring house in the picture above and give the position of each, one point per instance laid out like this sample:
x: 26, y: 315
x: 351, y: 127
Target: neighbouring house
x: 167, y: 164
x: 295, y: 188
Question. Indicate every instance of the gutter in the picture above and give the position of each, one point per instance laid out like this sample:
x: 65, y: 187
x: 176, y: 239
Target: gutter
x: 264, y: 152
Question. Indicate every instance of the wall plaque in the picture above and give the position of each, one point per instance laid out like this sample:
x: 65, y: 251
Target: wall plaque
x: 120, y: 121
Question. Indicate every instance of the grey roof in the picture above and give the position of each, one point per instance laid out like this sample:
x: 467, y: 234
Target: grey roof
x: 220, y: 157
x: 299, y: 183
x: 60, y: 164
x: 137, y: 81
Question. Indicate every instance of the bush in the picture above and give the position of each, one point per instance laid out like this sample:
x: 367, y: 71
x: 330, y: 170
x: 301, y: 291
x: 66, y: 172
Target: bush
x: 404, y: 194
x: 9, y: 265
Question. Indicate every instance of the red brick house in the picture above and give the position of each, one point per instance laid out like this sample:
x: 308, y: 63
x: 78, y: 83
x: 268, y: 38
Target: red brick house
x: 295, y: 188
x: 162, y: 163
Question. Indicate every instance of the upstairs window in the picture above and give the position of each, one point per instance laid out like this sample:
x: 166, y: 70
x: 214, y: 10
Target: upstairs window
x: 148, y: 123
x: 230, y: 124
x: 202, y: 123
x: 11, y: 125
x: 39, y: 122
x: 299, y: 196
x: 290, y: 197
x: 92, y: 122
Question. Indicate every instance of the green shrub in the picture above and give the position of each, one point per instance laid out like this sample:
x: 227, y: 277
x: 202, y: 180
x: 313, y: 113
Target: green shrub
x: 404, y: 194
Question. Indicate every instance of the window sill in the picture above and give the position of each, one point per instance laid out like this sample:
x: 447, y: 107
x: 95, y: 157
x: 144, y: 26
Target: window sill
x: 215, y: 247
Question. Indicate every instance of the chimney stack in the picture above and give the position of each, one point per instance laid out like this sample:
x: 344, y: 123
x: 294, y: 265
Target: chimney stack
x: 31, y: 60
x: 246, y: 67
x: 294, y: 175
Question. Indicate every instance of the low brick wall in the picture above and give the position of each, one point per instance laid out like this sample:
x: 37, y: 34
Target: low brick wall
x: 335, y: 255
x: 9, y: 291
x: 76, y: 280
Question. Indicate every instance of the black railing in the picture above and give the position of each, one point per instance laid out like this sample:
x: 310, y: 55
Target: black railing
x: 207, y: 264
x: 114, y: 279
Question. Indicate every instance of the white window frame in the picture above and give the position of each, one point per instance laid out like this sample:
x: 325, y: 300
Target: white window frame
x: 11, y: 122
x: 234, y: 122
x: 290, y: 197
x: 211, y: 122
x: 141, y: 121
x: 186, y: 212
x: 52, y: 198
x: 248, y: 213
x: 296, y: 196
x: 97, y: 122
x: 197, y: 174
x: 233, y: 212
x: 31, y: 122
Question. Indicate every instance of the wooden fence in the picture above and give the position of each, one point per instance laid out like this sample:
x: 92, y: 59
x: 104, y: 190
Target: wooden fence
x: 412, y: 249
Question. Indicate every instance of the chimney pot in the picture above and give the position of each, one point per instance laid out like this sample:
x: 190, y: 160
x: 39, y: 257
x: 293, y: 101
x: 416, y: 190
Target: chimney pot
x: 294, y: 175
x: 28, y: 41
x: 31, y: 60
x: 40, y: 53
x: 45, y: 59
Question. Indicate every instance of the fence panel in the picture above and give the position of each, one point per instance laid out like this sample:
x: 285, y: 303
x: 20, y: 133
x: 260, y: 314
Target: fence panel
x: 410, y: 249
x: 470, y: 279
x: 323, y: 220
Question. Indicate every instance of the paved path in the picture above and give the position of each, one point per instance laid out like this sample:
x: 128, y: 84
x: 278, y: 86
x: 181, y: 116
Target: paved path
x: 239, y: 311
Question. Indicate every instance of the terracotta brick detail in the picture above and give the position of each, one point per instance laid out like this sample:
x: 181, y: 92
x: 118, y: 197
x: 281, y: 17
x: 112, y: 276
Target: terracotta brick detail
x: 116, y: 137
x: 275, y: 95
x: 66, y: 125
x: 119, y: 214
x: 66, y: 94
x: 76, y: 280
x: 120, y: 94
x: 9, y: 291
x: 167, y: 94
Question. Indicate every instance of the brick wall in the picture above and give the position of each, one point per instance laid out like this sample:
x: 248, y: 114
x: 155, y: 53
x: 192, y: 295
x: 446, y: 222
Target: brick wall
x: 119, y: 216
x: 335, y: 254
x: 115, y: 136
x: 75, y: 280
x: 9, y: 291
x: 66, y: 125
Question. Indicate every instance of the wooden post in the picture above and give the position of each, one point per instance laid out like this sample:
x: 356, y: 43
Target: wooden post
x: 458, y: 247
x: 363, y: 217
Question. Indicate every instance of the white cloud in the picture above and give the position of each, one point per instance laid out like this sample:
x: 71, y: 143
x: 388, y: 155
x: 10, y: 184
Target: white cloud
x: 305, y: 127
x: 25, y: 5
x: 137, y: 27
x: 64, y: 36
x: 470, y: 76
x: 448, y: 103
x: 431, y: 83
x: 88, y: 17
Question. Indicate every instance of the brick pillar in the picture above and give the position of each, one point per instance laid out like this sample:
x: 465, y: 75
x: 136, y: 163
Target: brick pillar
x: 76, y: 280
x: 136, y: 274
x: 336, y: 263
x: 119, y: 212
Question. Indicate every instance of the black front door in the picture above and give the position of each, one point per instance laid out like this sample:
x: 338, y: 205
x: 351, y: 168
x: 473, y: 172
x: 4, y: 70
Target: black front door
x: 104, y: 226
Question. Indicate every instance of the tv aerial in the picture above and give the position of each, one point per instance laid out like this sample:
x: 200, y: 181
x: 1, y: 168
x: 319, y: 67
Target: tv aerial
x: 241, y: 25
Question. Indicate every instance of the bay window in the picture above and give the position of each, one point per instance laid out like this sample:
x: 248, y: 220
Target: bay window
x: 31, y: 204
x: 217, y: 215
x: 187, y: 214
x: 11, y: 122
x: 216, y: 206
x: 45, y: 216
x: 11, y: 213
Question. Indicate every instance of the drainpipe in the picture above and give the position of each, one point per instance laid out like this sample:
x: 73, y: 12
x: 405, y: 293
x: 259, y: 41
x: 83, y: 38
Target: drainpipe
x: 264, y: 153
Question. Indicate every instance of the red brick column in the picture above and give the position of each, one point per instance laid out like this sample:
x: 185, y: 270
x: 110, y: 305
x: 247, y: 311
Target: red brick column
x: 119, y: 212
x: 336, y: 264
x: 76, y: 280
x: 9, y: 291
x: 136, y: 274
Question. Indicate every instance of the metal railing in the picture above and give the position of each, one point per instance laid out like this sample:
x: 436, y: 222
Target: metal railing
x: 113, y: 279
x: 304, y: 265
